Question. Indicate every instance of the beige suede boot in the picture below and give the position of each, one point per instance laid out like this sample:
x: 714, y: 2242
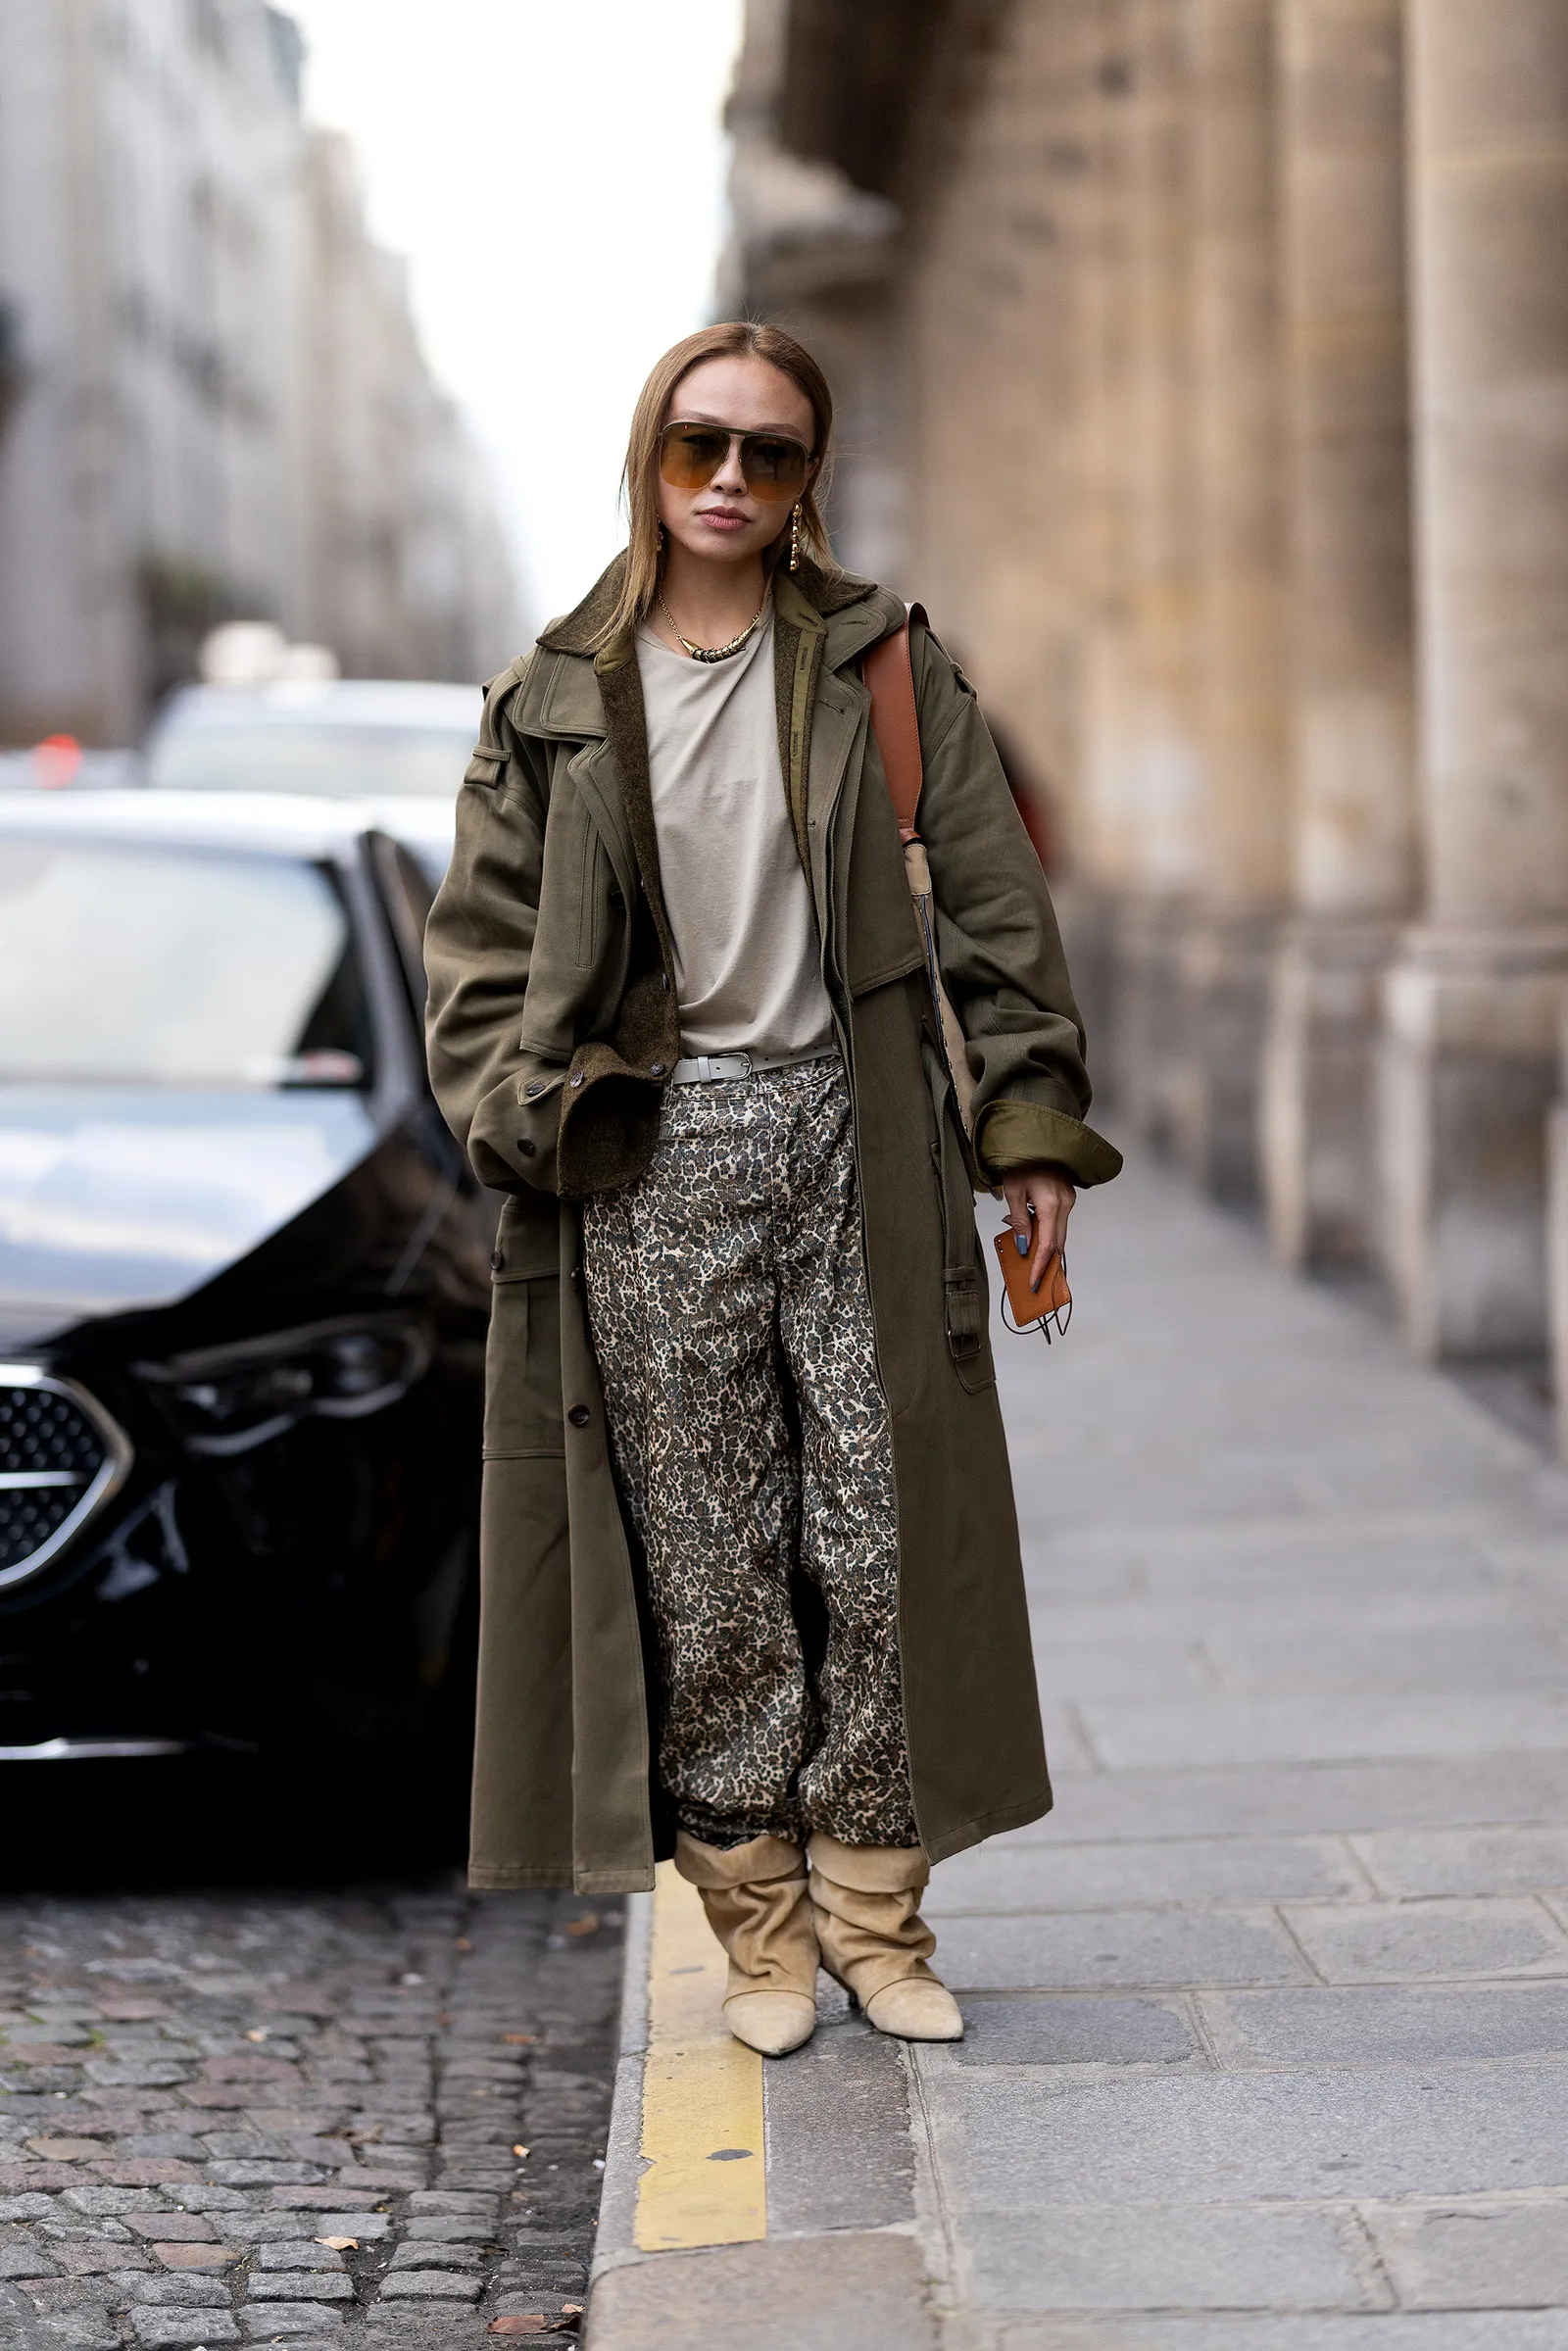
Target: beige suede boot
x: 875, y: 1941
x: 755, y: 1900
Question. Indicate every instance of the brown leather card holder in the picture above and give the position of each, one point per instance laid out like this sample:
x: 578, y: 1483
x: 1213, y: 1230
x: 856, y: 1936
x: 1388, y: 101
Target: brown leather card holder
x: 1027, y: 1306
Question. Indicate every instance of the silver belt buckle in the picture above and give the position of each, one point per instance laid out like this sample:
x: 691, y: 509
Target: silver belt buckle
x: 707, y: 1069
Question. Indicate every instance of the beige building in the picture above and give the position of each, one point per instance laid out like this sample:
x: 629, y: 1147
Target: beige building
x: 211, y: 400
x: 1205, y: 373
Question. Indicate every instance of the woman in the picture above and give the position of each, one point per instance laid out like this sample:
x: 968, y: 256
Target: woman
x: 751, y: 1591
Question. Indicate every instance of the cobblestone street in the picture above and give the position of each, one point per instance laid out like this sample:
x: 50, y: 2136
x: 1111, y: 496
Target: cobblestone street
x: 268, y: 2115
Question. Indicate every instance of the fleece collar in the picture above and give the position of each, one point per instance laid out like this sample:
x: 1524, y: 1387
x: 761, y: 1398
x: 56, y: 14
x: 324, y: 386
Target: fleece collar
x: 825, y: 594
x: 825, y: 620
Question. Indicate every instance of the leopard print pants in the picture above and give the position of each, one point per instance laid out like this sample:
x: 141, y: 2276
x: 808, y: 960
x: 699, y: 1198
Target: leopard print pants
x: 727, y: 1297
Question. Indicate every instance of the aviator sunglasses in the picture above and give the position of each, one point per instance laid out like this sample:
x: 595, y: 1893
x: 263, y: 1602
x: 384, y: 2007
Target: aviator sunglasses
x: 774, y: 467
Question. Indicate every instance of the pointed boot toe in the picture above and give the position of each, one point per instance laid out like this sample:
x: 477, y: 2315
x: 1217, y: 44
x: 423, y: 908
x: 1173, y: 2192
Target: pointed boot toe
x: 916, y: 2008
x: 772, y: 2022
x: 872, y: 1938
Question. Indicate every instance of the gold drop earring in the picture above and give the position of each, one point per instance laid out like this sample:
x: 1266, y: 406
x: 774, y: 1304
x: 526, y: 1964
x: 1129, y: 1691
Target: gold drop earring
x: 795, y: 539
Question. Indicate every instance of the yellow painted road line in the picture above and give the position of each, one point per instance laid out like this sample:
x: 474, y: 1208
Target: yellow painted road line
x: 705, y: 2178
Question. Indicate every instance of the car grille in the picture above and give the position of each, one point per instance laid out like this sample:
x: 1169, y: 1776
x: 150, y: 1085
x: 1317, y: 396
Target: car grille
x: 60, y: 1457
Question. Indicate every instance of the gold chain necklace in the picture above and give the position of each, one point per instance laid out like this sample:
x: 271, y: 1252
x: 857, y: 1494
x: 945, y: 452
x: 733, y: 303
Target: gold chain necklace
x: 717, y: 652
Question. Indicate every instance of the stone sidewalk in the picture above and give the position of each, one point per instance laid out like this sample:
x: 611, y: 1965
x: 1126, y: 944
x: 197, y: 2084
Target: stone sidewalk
x: 1268, y: 2024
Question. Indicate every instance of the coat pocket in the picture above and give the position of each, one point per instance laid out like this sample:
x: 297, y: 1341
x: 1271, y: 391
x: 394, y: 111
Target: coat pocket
x: 593, y: 886
x: 522, y: 1411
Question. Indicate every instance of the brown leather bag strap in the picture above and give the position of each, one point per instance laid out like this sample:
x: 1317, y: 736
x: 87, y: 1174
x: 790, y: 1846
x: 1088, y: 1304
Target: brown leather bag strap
x: 895, y: 722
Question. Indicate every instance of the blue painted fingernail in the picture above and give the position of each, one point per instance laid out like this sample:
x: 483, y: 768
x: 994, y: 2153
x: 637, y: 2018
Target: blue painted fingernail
x: 1022, y: 1238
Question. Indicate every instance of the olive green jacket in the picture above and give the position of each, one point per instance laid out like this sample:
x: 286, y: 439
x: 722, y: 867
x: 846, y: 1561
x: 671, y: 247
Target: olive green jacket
x: 553, y: 1028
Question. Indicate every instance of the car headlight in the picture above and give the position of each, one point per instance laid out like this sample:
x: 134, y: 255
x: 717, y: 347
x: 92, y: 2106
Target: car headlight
x: 227, y: 1400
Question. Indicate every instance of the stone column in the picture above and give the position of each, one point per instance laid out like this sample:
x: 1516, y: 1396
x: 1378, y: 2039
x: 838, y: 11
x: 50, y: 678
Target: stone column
x: 1163, y: 742
x: 998, y: 301
x: 1472, y: 1005
x: 1346, y: 397
x: 1557, y: 1243
x: 1240, y: 558
x: 1085, y: 153
x: 1113, y: 813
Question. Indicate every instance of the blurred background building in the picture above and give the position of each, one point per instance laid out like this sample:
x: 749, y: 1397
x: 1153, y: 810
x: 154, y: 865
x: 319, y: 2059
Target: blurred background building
x: 212, y: 400
x: 1205, y: 371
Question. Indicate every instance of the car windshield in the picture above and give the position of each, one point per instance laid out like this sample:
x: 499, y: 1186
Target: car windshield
x: 300, y: 756
x: 156, y: 966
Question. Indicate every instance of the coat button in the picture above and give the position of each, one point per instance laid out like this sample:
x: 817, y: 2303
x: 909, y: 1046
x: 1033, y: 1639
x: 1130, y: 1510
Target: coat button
x: 496, y: 1260
x: 578, y: 1416
x: 525, y: 1147
x: 575, y: 1277
x: 576, y: 1078
x: 617, y: 899
x: 656, y: 1069
x: 533, y: 1087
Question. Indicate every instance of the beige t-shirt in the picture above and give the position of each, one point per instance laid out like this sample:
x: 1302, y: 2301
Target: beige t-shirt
x: 748, y: 969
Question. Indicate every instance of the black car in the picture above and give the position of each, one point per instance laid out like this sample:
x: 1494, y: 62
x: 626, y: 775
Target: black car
x: 244, y: 1280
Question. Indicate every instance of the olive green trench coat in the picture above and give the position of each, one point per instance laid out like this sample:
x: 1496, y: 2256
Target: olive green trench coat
x: 552, y: 1027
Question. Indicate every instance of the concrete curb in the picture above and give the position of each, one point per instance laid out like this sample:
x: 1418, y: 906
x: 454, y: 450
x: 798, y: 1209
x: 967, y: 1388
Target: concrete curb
x: 840, y: 2268
x: 617, y: 2208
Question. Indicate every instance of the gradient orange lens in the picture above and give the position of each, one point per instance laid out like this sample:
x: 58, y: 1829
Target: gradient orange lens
x: 689, y: 455
x: 774, y: 467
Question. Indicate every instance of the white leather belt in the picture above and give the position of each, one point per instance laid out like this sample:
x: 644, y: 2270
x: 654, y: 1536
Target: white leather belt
x: 703, y: 1069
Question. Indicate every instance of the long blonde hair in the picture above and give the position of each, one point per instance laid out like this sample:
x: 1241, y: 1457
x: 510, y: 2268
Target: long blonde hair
x: 736, y: 338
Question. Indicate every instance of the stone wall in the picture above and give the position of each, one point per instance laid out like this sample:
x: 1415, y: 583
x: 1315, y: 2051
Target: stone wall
x: 1229, y: 340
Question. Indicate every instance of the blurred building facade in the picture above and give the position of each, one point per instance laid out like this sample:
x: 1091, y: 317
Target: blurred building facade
x: 402, y: 570
x: 1205, y: 373
x: 213, y: 403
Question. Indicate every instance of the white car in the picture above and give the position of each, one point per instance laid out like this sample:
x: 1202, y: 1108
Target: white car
x: 398, y: 746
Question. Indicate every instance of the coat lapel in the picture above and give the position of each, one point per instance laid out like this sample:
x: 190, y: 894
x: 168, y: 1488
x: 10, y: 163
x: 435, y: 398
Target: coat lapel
x: 799, y: 635
x: 619, y: 783
x: 823, y: 623
x: 834, y: 789
x: 626, y: 726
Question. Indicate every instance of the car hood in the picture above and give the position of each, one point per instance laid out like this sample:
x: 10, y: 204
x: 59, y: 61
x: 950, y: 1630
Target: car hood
x: 114, y: 1199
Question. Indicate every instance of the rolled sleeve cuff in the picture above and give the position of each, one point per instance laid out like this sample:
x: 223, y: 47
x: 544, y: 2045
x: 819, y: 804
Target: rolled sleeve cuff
x: 1013, y: 1134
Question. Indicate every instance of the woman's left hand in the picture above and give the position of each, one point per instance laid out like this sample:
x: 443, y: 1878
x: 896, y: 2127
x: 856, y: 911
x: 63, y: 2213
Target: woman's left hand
x: 1040, y: 1201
